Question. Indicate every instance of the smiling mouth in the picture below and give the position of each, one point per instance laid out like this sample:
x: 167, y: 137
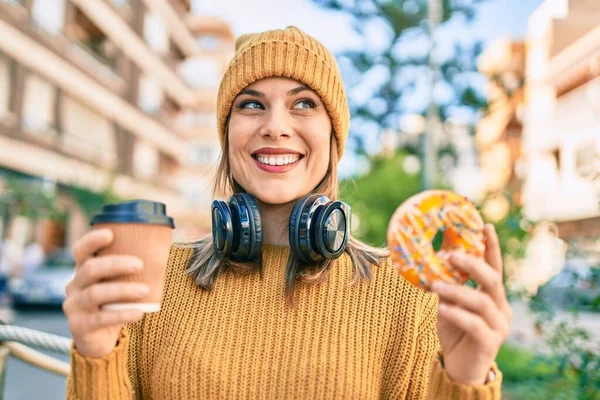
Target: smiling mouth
x: 277, y: 160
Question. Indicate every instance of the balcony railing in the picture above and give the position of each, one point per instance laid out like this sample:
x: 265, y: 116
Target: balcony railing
x: 81, y: 53
x: 83, y: 147
x: 74, y: 52
x: 80, y: 147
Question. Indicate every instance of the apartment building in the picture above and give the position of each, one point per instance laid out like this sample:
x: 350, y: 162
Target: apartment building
x: 561, y: 128
x: 499, y: 134
x: 112, y: 94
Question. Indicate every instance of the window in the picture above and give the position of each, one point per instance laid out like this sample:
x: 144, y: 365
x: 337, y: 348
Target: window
x: 120, y: 3
x: 88, y: 134
x: 191, y: 119
x: 201, y: 72
x: 203, y: 153
x: 150, y: 95
x: 49, y: 14
x: 145, y: 160
x: 556, y: 155
x: 87, y: 36
x: 5, y: 85
x: 196, y: 190
x: 155, y: 33
x: 38, y: 104
x: 587, y: 159
x: 208, y: 42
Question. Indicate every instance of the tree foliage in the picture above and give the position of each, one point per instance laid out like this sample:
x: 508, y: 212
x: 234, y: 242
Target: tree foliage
x: 403, y: 70
x: 29, y: 198
x: 375, y: 195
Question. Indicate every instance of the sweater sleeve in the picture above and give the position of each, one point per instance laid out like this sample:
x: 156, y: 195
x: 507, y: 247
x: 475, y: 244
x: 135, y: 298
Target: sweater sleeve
x: 437, y: 384
x: 115, y: 376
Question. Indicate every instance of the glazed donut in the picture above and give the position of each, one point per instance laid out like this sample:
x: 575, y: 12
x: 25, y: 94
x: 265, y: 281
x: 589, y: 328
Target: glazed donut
x: 416, y: 222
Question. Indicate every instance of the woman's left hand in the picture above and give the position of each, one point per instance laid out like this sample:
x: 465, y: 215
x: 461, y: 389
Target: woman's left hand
x: 473, y: 323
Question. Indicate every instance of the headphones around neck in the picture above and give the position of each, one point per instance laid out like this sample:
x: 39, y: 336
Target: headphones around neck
x: 318, y: 228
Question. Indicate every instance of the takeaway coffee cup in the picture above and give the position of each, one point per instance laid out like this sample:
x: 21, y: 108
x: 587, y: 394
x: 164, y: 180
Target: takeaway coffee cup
x: 141, y: 228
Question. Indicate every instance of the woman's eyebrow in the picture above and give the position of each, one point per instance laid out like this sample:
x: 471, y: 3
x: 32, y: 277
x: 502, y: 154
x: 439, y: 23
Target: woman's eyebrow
x: 299, y: 89
x: 252, y: 92
x: 292, y: 92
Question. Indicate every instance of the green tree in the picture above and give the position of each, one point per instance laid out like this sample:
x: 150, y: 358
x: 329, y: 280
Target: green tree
x: 375, y: 196
x: 513, y: 229
x: 400, y: 69
x: 28, y: 198
x: 91, y: 202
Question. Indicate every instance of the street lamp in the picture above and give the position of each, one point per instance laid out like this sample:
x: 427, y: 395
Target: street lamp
x: 427, y: 128
x: 428, y: 141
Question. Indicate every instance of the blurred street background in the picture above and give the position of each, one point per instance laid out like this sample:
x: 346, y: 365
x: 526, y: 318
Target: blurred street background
x: 499, y: 100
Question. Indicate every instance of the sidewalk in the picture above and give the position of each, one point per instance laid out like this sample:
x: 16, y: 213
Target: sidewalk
x: 523, y: 330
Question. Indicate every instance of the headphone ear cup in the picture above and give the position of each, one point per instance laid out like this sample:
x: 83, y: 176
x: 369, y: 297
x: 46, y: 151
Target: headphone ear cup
x: 256, y: 232
x: 301, y: 228
x: 294, y: 227
x: 241, y: 222
x: 222, y: 227
x: 332, y: 229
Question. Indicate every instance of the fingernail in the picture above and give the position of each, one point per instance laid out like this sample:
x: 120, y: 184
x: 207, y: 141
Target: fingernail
x: 443, y: 307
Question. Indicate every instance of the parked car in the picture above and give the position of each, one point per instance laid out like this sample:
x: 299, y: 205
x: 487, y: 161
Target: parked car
x: 577, y: 285
x: 45, y: 286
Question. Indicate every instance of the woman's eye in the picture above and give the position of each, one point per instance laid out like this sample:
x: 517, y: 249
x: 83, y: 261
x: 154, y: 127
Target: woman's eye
x: 306, y: 103
x: 251, y: 105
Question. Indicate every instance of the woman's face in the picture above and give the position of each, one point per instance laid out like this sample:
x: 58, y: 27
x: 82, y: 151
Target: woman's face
x: 279, y: 140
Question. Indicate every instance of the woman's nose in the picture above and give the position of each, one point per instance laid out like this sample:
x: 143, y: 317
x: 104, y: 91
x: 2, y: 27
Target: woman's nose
x: 277, y: 124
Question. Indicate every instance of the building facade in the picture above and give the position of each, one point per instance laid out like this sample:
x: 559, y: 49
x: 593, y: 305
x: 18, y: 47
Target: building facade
x: 112, y: 96
x: 561, y: 128
x: 499, y: 134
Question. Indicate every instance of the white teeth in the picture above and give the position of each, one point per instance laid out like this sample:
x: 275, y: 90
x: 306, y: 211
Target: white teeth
x: 283, y: 160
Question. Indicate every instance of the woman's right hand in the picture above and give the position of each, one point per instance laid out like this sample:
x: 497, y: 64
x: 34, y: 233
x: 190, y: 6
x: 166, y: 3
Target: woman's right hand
x: 96, y: 332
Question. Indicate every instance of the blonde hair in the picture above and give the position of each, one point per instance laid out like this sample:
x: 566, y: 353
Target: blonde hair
x: 206, y: 264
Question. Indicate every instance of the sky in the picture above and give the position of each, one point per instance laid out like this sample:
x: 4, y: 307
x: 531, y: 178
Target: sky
x: 495, y: 19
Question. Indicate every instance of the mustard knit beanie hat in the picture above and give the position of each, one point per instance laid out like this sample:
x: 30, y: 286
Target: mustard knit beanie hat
x: 287, y: 53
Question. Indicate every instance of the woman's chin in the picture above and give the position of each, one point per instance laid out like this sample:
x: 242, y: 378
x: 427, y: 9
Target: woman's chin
x: 276, y: 196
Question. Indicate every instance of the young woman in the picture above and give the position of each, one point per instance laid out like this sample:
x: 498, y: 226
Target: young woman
x: 259, y: 310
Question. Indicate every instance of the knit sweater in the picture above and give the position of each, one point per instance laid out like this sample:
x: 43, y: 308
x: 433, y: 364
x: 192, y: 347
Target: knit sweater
x: 241, y: 340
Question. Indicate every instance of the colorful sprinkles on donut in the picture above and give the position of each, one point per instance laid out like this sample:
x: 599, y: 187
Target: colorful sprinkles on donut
x: 414, y: 225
